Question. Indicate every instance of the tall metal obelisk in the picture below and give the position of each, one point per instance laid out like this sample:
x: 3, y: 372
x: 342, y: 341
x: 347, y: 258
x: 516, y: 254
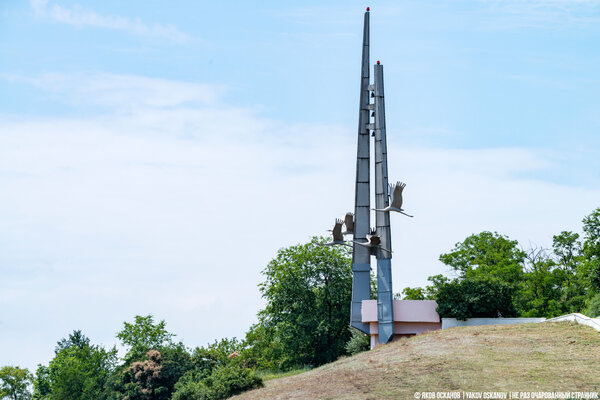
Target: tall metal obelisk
x: 361, y: 256
x: 363, y: 236
x: 385, y: 296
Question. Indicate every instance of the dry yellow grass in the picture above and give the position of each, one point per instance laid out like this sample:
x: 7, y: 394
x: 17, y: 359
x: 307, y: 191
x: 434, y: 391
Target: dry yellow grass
x: 530, y: 357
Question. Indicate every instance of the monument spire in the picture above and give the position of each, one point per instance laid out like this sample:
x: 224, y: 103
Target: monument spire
x: 361, y: 256
x: 385, y: 296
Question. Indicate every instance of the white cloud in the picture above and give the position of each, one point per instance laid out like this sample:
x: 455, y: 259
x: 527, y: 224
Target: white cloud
x: 123, y: 91
x: 552, y: 14
x: 80, y: 17
x: 173, y: 207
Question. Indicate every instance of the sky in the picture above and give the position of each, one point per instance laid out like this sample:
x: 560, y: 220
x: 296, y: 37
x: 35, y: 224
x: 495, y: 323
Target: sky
x: 154, y: 156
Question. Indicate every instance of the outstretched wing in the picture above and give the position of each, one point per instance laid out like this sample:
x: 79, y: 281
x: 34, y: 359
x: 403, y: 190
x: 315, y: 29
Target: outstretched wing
x: 337, y: 231
x: 374, y: 240
x: 349, y: 222
x: 397, y: 195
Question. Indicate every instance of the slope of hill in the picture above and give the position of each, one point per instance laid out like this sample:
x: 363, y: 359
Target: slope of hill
x: 560, y: 356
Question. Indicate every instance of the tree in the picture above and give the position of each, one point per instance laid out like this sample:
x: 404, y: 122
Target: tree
x: 152, y: 378
x: 569, y: 259
x: 358, y: 342
x: 262, y: 350
x: 487, y: 255
x: 308, y: 289
x: 413, y: 293
x: 76, y: 340
x: 567, y: 250
x: 153, y: 362
x: 541, y: 288
x: 41, y: 383
x: 143, y: 380
x: 437, y: 281
x: 14, y: 383
x: 475, y: 298
x: 593, y: 309
x: 216, y: 354
x: 591, y: 249
x: 78, y: 370
x: 144, y: 335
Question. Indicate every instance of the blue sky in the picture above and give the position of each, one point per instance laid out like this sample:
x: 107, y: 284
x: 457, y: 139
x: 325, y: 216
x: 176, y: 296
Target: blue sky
x: 155, y: 155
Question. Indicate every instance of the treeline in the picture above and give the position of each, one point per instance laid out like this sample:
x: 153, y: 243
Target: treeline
x: 154, y: 368
x: 304, y: 324
x: 496, y: 277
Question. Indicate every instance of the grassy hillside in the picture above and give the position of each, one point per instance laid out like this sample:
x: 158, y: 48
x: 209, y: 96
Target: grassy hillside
x: 530, y: 357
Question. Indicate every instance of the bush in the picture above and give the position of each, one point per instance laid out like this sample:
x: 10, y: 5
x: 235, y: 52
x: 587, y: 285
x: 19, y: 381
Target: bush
x: 231, y: 380
x: 191, y: 390
x: 224, y: 382
x: 475, y: 298
x: 358, y: 342
x: 593, y: 308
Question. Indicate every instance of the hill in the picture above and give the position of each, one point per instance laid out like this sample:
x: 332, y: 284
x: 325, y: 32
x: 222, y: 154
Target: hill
x: 561, y: 356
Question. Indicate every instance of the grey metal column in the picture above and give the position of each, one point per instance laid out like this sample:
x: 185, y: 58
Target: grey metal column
x: 361, y: 258
x: 385, y: 297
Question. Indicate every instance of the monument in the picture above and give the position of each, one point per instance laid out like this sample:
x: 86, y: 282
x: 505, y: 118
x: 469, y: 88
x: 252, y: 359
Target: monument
x: 386, y: 318
x: 369, y: 241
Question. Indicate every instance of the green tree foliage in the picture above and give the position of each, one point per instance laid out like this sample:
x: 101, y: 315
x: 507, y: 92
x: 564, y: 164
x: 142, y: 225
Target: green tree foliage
x: 230, y: 380
x: 263, y: 349
x: 413, y: 293
x: 143, y: 379
x: 567, y: 251
x: 541, y: 288
x: 78, y: 371
x: 155, y: 377
x: 219, y: 371
x: 593, y: 308
x: 217, y: 354
x: 76, y: 340
x: 14, y: 383
x: 556, y: 283
x: 591, y: 249
x: 191, y: 387
x: 358, y: 342
x: 541, y: 284
x: 308, y: 289
x: 489, y: 268
x: 569, y: 258
x: 475, y: 297
x: 153, y: 374
x: 224, y: 382
x: 437, y: 281
x: 143, y: 335
x: 487, y: 255
x: 41, y: 383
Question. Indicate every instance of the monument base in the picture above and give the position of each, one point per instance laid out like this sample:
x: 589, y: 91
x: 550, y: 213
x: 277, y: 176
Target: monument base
x: 411, y: 317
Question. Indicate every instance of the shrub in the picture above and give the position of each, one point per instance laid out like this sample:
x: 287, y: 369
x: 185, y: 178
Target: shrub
x: 358, y: 342
x: 593, y: 308
x: 224, y: 382
x: 231, y: 380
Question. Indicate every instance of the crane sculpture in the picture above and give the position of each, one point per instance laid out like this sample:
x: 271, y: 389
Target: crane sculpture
x: 396, y: 199
x: 349, y: 224
x: 336, y: 232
